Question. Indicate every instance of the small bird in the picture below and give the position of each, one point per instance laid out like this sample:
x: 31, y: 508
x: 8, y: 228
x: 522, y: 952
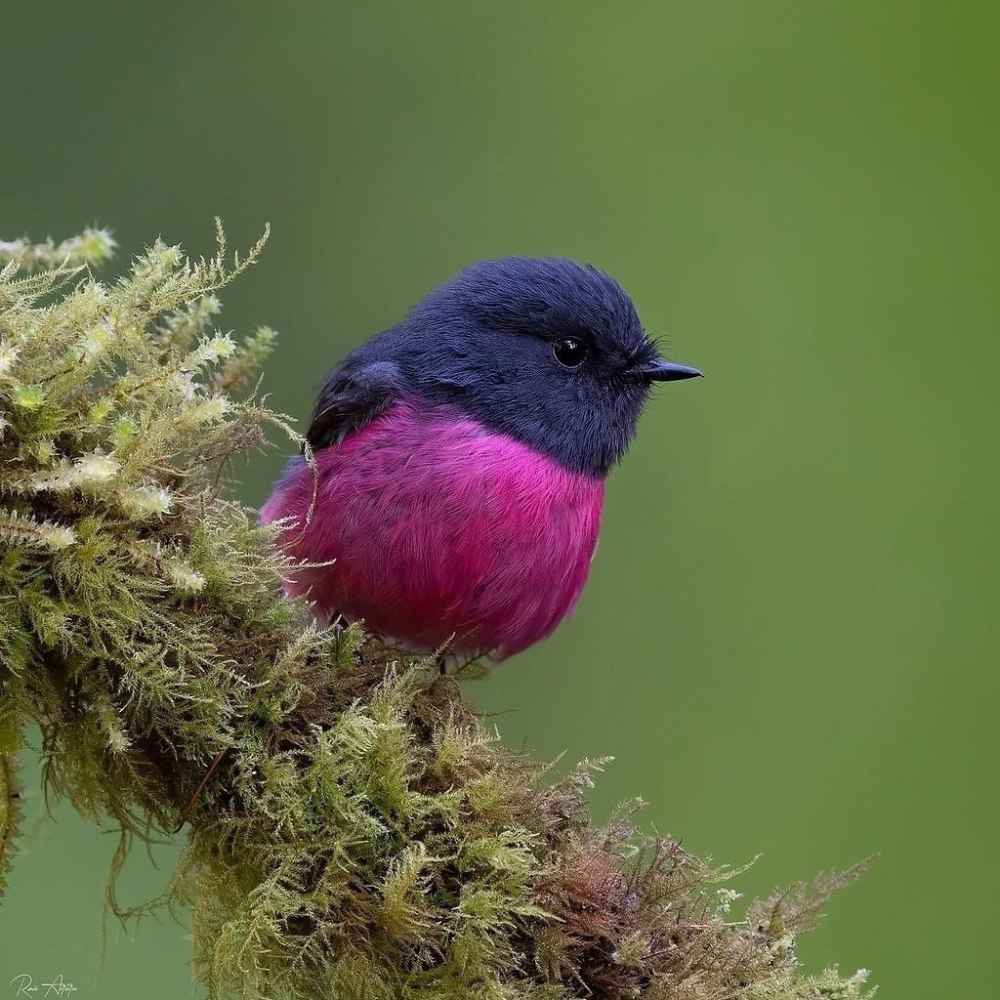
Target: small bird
x: 460, y: 458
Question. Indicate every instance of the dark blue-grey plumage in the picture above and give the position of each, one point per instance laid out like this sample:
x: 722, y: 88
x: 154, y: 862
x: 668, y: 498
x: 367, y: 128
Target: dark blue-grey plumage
x: 489, y: 343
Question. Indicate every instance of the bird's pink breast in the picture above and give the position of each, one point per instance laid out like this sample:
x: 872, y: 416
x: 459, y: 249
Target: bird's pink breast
x: 440, y: 529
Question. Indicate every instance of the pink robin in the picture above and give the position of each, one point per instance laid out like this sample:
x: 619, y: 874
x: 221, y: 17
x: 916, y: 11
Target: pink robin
x: 461, y: 458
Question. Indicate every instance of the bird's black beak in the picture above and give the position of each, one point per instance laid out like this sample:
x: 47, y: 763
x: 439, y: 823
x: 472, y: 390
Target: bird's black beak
x: 659, y: 370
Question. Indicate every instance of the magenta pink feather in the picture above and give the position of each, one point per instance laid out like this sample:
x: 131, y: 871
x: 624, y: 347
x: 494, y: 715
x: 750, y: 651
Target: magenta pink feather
x: 442, y: 532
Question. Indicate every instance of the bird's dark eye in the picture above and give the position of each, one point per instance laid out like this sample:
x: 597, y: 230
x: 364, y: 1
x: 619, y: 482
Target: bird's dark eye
x: 570, y: 352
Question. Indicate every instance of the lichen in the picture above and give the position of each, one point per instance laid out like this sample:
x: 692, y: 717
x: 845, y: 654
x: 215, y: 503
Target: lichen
x: 351, y: 828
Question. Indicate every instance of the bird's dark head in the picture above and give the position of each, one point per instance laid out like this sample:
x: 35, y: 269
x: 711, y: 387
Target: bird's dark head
x: 548, y: 351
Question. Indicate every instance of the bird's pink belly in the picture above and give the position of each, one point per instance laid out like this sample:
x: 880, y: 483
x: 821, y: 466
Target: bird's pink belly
x: 441, y: 532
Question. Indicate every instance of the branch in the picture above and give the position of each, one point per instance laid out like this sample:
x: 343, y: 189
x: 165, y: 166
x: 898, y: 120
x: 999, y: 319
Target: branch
x: 352, y: 829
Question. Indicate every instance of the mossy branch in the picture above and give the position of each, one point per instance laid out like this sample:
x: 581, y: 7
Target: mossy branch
x: 352, y: 830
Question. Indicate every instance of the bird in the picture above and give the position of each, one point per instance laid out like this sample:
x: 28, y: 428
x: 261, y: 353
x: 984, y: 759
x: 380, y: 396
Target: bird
x: 450, y: 490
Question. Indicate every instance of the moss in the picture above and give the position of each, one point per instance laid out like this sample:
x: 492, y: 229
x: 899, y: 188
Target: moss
x: 351, y: 829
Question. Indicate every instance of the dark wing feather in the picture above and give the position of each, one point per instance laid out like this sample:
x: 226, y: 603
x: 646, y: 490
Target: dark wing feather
x: 351, y: 396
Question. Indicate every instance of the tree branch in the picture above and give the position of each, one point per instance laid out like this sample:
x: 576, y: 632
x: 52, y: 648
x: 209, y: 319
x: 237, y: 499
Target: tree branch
x: 352, y: 829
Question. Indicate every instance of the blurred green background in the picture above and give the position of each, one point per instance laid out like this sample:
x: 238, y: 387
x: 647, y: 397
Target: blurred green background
x: 789, y: 641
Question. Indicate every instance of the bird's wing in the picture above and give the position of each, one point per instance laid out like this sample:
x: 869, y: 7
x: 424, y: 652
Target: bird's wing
x: 351, y: 396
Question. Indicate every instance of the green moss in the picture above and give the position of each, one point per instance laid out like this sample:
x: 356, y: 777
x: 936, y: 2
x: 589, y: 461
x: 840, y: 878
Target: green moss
x: 350, y: 827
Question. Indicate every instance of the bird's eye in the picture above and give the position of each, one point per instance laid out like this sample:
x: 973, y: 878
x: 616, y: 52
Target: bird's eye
x: 570, y: 352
